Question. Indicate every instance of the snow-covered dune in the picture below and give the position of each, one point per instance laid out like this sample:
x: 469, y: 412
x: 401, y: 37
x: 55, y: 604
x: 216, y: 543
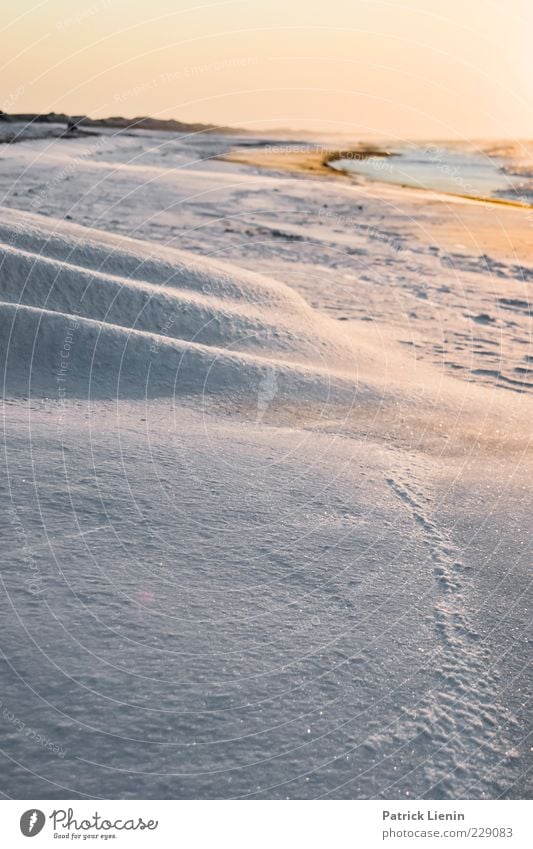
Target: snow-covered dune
x: 307, y: 574
x: 94, y: 313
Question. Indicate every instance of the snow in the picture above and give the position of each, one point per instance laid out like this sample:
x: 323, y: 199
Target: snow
x: 113, y: 315
x: 252, y: 550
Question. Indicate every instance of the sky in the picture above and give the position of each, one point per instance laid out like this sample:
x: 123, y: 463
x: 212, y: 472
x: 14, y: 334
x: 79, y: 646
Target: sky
x: 388, y: 68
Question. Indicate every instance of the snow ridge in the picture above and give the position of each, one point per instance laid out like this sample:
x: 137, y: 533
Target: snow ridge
x: 110, y: 315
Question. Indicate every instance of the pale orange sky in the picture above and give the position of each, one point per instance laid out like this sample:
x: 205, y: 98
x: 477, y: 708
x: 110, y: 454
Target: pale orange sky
x: 395, y: 68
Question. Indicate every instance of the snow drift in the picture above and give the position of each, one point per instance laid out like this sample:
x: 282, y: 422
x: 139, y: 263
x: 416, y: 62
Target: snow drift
x: 97, y: 314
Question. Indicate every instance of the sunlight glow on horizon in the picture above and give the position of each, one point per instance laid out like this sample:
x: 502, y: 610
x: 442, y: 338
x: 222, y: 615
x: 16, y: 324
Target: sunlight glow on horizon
x: 390, y: 68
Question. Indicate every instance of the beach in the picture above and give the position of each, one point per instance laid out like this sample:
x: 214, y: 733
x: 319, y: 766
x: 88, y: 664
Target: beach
x: 266, y: 475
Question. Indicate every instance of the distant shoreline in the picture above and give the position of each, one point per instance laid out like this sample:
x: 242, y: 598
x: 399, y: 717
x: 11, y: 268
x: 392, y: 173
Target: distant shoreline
x: 296, y: 159
x: 296, y: 156
x: 319, y: 163
x: 73, y: 125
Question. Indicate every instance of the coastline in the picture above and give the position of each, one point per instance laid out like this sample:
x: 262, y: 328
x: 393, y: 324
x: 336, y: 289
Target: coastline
x: 496, y: 226
x: 291, y: 158
x: 319, y: 163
